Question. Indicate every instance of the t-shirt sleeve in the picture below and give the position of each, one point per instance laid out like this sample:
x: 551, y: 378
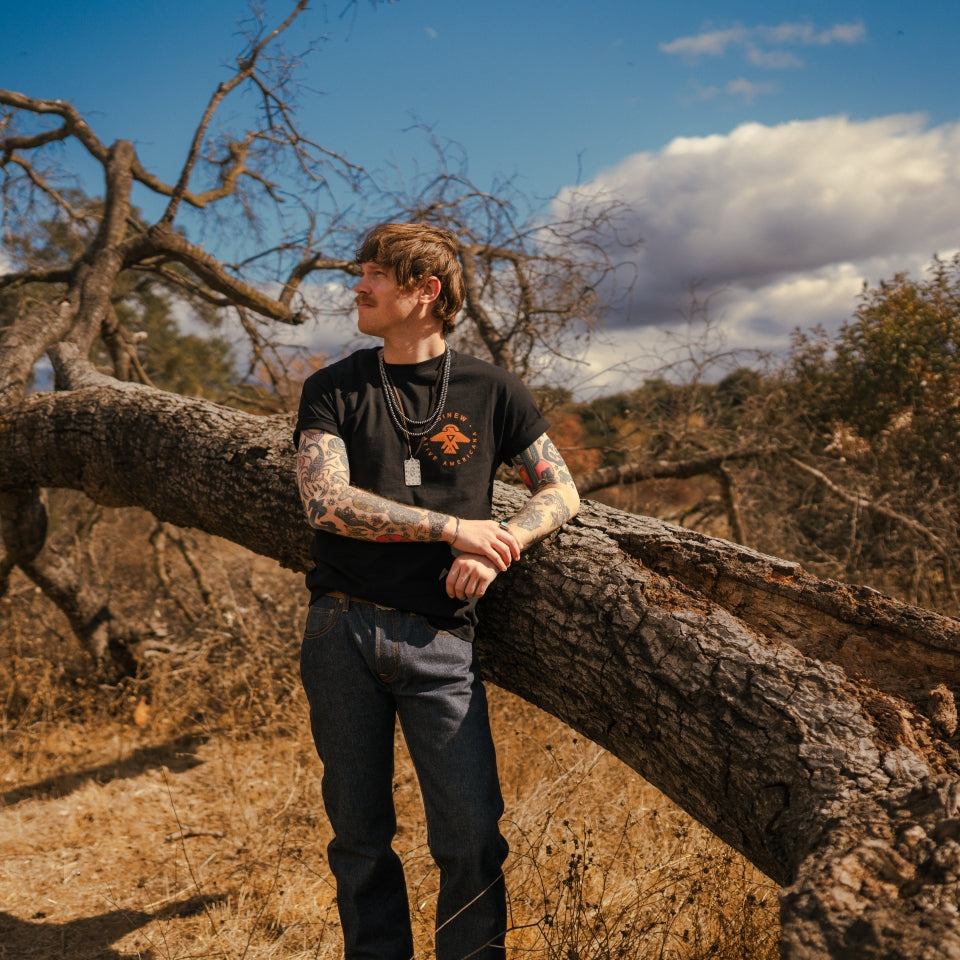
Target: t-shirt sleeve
x: 523, y: 423
x: 318, y: 406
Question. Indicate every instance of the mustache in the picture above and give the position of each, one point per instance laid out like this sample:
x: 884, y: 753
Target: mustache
x: 364, y: 302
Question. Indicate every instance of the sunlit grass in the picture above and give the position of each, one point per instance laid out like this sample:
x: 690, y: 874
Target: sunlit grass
x: 178, y: 814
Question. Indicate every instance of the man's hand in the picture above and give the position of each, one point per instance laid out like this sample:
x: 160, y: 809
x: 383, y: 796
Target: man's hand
x: 487, y: 539
x: 470, y: 576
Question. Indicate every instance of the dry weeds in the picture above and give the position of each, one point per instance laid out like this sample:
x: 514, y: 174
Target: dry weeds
x: 178, y: 815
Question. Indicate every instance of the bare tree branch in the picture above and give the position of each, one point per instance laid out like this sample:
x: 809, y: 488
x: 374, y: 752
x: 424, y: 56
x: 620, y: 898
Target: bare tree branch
x: 161, y: 241
x: 74, y: 124
x: 41, y: 184
x: 661, y: 469
x: 53, y: 275
x: 245, y: 69
x: 863, y: 503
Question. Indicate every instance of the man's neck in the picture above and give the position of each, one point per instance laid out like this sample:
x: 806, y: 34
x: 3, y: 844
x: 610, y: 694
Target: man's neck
x: 413, y: 350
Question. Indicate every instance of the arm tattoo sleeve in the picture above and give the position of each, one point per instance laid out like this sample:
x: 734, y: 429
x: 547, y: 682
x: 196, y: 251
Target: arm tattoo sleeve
x: 554, y: 499
x: 333, y: 504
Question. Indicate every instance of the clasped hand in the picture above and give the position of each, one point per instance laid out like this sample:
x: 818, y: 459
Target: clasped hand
x: 484, y: 550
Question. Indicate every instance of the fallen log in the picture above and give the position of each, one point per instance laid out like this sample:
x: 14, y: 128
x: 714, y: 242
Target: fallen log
x: 811, y: 725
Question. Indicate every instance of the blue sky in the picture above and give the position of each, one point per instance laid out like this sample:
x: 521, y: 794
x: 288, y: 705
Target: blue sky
x: 776, y: 154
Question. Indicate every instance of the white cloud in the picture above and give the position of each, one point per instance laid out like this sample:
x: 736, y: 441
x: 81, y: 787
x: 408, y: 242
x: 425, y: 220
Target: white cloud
x: 773, y: 59
x: 843, y: 33
x: 806, y: 35
x: 713, y: 43
x: 756, y: 42
x: 330, y: 327
x: 784, y: 222
x: 745, y: 89
x: 332, y: 324
x: 748, y: 90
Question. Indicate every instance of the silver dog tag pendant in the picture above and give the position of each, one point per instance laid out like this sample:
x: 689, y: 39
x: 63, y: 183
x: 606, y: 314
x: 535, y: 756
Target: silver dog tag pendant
x: 411, y: 472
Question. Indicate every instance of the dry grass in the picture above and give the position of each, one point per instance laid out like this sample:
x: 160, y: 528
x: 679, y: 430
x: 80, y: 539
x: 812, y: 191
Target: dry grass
x: 178, y: 815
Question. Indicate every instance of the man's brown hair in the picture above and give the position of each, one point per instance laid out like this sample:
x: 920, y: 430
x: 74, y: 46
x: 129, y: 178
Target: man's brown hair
x: 415, y: 252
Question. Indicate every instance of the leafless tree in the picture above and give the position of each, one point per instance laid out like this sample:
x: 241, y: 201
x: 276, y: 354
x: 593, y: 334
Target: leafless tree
x: 810, y: 725
x: 268, y: 197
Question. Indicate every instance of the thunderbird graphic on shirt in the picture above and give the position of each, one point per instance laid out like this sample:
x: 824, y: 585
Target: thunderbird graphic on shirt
x: 454, y: 443
x: 450, y: 438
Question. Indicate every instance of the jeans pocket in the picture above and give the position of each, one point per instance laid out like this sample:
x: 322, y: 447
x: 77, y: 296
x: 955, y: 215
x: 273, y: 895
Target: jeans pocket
x: 322, y: 617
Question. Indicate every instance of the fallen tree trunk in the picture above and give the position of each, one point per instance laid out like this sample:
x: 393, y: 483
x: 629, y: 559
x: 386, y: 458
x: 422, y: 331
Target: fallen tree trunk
x: 810, y: 725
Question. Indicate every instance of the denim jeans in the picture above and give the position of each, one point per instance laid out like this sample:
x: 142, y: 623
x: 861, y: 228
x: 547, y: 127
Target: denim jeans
x: 362, y: 666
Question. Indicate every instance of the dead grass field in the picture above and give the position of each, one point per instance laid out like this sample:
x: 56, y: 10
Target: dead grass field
x: 177, y: 815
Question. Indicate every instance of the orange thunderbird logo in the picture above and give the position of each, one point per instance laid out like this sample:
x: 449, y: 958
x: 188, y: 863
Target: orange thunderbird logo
x: 451, y: 438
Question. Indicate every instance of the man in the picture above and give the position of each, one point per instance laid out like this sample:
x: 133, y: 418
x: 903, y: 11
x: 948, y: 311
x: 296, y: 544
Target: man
x: 398, y: 448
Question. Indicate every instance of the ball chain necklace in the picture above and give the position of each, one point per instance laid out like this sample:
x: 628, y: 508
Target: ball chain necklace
x: 409, y: 427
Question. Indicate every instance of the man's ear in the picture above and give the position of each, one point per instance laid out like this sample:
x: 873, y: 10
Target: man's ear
x: 430, y: 290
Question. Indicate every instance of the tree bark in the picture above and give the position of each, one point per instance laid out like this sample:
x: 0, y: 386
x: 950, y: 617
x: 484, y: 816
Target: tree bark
x: 809, y: 724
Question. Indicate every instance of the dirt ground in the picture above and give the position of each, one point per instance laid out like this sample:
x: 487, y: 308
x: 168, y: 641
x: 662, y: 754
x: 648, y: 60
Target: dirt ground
x: 177, y: 814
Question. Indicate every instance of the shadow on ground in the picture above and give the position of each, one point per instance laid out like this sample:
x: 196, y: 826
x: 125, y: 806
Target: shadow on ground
x: 176, y: 755
x: 88, y: 938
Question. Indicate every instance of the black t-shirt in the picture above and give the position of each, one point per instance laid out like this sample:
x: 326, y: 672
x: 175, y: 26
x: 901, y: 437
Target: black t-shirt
x: 489, y: 418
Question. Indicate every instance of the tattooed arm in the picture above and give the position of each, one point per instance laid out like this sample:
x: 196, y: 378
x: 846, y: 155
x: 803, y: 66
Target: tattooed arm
x: 555, y: 499
x: 334, y: 505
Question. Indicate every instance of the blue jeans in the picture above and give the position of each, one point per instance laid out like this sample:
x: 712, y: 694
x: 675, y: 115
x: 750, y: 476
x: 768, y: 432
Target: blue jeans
x: 362, y: 666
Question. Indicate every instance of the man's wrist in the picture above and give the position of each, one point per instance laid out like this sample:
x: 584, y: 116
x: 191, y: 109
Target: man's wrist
x: 451, y: 537
x: 522, y: 535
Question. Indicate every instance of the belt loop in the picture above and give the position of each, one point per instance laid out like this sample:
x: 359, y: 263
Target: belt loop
x: 340, y: 595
